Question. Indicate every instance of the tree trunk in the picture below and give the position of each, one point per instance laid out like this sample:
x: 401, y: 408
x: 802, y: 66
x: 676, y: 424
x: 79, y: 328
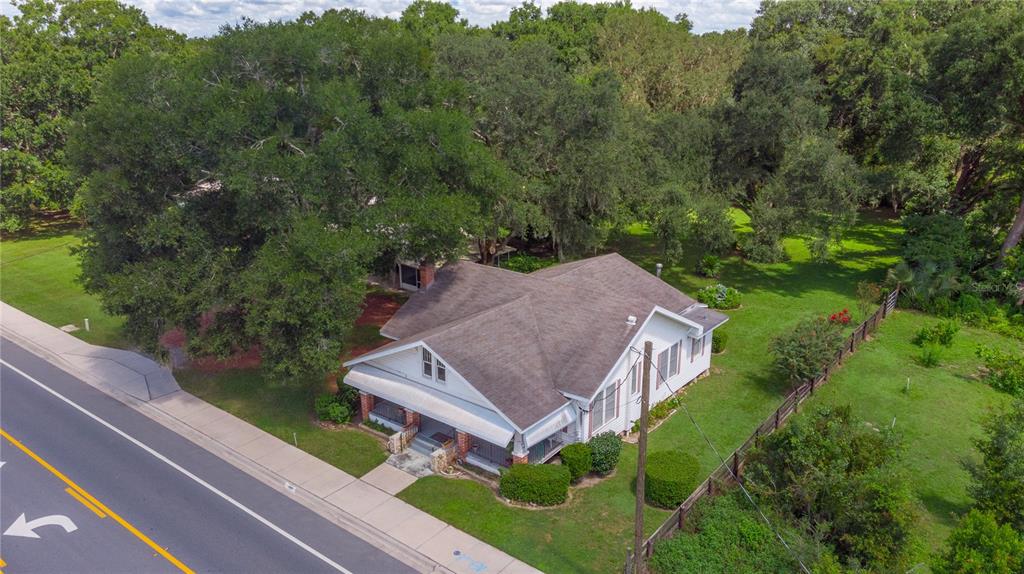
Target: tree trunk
x: 1016, y: 231
x: 967, y: 168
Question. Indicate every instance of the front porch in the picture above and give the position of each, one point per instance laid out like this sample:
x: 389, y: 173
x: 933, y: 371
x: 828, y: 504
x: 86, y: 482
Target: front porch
x: 475, y: 435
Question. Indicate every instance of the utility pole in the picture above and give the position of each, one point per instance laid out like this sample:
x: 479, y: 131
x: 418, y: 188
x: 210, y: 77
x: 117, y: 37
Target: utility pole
x: 641, y: 460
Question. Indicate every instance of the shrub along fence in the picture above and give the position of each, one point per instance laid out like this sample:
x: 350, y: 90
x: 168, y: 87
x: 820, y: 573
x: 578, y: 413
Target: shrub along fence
x: 732, y: 469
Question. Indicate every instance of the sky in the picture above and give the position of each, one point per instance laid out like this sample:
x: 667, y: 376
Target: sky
x: 204, y: 17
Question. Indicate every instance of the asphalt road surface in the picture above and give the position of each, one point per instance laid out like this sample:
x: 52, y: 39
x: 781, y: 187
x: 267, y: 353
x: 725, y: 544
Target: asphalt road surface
x: 121, y: 499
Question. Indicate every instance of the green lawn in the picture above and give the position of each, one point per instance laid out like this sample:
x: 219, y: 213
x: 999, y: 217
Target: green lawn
x: 592, y: 532
x: 38, y: 275
x: 742, y: 390
x: 282, y: 410
x: 937, y: 418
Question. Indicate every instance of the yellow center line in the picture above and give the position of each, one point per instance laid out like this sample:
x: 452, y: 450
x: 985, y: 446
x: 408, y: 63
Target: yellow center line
x: 99, y: 505
x: 85, y: 503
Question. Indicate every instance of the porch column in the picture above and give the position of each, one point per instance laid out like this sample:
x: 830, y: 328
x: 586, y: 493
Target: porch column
x: 412, y: 418
x: 365, y: 405
x: 520, y: 454
x: 463, y: 442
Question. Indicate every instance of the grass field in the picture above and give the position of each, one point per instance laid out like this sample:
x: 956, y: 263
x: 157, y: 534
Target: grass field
x: 592, y: 532
x: 938, y: 417
x: 282, y: 410
x: 38, y: 275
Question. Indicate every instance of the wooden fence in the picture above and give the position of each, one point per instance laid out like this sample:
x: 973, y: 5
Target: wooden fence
x: 729, y: 471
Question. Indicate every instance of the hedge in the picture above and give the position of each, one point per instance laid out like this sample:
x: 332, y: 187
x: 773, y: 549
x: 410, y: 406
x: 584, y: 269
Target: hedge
x: 670, y: 477
x: 718, y: 340
x: 543, y: 484
x: 577, y: 458
x: 605, y: 449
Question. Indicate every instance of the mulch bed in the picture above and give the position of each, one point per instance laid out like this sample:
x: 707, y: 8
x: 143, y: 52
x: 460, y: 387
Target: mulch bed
x: 378, y: 308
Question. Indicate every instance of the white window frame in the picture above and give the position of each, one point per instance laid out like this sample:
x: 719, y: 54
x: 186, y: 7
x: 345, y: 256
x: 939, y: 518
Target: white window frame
x: 696, y: 347
x: 673, y: 361
x: 634, y: 378
x: 662, y: 367
x: 427, y: 363
x: 597, y: 408
x: 440, y: 371
x: 610, y: 395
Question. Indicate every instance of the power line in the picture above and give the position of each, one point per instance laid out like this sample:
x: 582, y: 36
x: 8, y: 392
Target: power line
x: 727, y: 466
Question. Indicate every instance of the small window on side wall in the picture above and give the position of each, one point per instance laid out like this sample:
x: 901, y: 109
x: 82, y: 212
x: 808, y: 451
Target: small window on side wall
x: 428, y: 364
x: 442, y: 372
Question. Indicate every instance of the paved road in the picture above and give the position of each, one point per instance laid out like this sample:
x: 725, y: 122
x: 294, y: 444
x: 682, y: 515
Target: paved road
x: 109, y: 505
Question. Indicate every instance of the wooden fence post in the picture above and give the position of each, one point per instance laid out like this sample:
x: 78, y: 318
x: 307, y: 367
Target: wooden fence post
x: 736, y: 467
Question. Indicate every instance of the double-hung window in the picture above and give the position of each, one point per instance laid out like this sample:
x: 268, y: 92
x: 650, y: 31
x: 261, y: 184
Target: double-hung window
x: 603, y: 408
x: 433, y: 367
x: 696, y: 348
x: 428, y: 364
x: 597, y: 411
x: 662, y: 367
x: 673, y: 368
x: 634, y: 378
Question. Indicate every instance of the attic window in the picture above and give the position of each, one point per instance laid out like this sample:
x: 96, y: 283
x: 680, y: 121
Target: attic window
x: 442, y: 372
x: 428, y: 364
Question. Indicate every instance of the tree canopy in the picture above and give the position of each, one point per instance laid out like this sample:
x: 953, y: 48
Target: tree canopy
x: 203, y: 167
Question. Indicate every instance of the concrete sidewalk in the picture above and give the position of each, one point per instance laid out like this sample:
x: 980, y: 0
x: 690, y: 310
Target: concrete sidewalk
x: 364, y: 506
x: 134, y: 374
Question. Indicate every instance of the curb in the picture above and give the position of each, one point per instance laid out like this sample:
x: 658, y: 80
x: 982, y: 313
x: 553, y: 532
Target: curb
x: 321, y: 507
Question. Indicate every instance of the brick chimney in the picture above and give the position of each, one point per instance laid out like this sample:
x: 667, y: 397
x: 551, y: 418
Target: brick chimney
x: 427, y: 271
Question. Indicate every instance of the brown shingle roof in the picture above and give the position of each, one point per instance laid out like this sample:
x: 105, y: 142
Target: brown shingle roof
x: 520, y: 339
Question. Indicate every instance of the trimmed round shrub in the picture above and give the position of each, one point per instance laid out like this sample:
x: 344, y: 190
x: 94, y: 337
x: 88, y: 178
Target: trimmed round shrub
x: 542, y: 484
x: 604, y: 451
x: 577, y: 458
x: 718, y: 341
x: 670, y: 477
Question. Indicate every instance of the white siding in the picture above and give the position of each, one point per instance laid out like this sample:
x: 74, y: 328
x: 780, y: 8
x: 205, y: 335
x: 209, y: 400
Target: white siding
x: 662, y: 332
x: 408, y: 364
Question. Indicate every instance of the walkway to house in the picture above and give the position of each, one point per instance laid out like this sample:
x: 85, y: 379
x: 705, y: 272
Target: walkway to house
x: 365, y: 506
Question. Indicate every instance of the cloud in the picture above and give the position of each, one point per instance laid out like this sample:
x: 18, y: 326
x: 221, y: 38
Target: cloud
x: 205, y: 17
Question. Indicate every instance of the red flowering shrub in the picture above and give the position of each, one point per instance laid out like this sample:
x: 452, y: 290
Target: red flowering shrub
x: 840, y: 318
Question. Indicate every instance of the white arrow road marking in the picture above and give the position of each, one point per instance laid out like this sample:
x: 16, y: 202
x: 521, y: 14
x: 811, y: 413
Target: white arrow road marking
x: 27, y: 529
x: 183, y: 471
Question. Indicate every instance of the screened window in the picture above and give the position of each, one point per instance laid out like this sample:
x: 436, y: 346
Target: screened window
x: 673, y: 360
x: 609, y: 401
x: 597, y: 411
x: 428, y: 364
x: 696, y: 348
x: 603, y: 408
x: 662, y: 366
x: 442, y: 372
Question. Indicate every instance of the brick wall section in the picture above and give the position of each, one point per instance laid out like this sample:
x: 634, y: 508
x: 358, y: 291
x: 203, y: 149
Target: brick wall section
x: 365, y: 405
x: 427, y: 271
x: 412, y: 418
x: 524, y: 459
x: 464, y: 442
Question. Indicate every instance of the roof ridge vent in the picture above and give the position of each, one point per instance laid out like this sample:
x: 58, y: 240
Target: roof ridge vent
x: 631, y: 320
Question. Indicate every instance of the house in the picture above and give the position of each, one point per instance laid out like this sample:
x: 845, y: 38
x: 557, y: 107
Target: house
x: 508, y: 367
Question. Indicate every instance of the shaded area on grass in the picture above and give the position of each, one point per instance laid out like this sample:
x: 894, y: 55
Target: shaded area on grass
x: 594, y: 531
x: 282, y: 410
x: 39, y: 275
